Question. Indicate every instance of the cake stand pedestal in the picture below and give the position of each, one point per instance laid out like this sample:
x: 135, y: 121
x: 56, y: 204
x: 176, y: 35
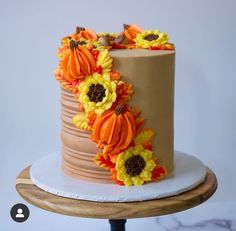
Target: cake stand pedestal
x: 116, y: 212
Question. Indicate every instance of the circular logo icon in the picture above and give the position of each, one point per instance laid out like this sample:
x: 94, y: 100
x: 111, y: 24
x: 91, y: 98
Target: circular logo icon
x: 19, y: 212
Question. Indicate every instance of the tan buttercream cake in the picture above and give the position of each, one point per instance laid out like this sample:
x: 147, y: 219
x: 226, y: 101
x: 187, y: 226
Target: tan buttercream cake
x: 152, y: 75
x: 117, y: 101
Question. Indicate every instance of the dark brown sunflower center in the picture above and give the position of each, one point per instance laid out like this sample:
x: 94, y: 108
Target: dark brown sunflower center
x: 134, y: 165
x: 151, y: 37
x: 74, y: 44
x: 96, y: 93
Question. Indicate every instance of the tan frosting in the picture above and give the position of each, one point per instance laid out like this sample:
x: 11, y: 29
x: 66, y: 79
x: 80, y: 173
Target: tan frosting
x: 78, y: 150
x: 152, y: 75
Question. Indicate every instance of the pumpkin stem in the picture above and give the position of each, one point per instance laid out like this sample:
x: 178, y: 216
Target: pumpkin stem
x: 119, y: 109
x: 126, y: 26
x: 78, y: 29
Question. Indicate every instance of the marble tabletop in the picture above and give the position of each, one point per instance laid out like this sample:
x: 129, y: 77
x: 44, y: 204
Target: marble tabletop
x: 210, y: 216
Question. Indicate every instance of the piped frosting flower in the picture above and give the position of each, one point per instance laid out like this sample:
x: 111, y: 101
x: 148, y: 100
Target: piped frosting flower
x: 134, y: 166
x: 150, y: 38
x: 97, y: 93
x: 68, y: 85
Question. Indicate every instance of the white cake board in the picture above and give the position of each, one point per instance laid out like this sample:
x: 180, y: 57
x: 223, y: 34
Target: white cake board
x: 46, y: 173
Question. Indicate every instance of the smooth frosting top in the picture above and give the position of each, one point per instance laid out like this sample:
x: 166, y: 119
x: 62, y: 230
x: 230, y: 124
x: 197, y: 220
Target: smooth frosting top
x: 138, y: 53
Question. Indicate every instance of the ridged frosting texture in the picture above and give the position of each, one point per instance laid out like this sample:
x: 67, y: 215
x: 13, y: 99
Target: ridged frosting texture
x: 78, y: 150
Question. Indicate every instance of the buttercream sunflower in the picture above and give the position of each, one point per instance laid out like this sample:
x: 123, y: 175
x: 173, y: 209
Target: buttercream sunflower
x: 134, y: 166
x: 149, y: 38
x: 97, y: 93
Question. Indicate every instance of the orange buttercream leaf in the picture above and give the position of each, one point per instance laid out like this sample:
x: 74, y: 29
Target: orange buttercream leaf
x: 131, y: 46
x: 136, y: 113
x: 167, y: 46
x: 91, y: 118
x: 63, y: 50
x: 81, y: 107
x: 114, y: 177
x: 145, y: 136
x: 123, y: 92
x: 115, y: 75
x: 104, y: 161
x: 111, y: 151
x: 148, y: 146
x: 139, y: 123
x: 68, y: 85
x: 158, y: 173
x: 118, y: 46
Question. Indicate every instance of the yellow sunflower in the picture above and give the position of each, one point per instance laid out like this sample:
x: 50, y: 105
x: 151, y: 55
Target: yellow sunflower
x: 97, y: 93
x: 149, y: 38
x: 134, y: 166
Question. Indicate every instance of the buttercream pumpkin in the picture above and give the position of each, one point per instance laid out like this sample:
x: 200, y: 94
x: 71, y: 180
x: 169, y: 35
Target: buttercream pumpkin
x: 85, y: 33
x: 77, y: 63
x: 131, y: 32
x: 115, y: 128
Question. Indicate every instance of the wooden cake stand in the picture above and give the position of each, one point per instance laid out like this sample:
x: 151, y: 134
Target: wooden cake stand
x: 116, y: 212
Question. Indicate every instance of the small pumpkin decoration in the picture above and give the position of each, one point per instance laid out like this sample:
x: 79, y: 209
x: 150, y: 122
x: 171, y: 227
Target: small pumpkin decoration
x: 131, y: 32
x: 77, y: 63
x: 116, y: 128
x: 85, y: 33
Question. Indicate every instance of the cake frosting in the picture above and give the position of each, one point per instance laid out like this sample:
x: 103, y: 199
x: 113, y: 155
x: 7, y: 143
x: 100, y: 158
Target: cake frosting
x: 117, y: 100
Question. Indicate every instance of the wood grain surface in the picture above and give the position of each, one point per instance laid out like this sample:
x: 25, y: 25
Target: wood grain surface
x: 109, y: 210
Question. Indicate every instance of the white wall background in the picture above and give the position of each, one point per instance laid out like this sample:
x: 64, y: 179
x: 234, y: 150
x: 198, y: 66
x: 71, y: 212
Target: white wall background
x: 204, y: 32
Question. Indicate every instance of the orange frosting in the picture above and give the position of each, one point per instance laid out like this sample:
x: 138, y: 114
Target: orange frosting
x: 85, y: 34
x: 131, y: 31
x: 77, y: 63
x: 121, y: 126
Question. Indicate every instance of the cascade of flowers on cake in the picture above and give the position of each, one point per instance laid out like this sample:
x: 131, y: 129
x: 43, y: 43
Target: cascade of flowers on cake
x: 86, y: 69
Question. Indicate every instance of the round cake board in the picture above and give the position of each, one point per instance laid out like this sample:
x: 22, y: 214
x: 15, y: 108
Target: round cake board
x: 47, y: 174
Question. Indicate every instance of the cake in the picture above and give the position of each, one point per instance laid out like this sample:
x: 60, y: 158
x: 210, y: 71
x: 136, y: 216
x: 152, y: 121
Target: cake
x: 117, y: 102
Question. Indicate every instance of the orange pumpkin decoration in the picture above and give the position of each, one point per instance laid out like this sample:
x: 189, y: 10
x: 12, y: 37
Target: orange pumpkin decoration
x: 85, y: 33
x: 131, y: 32
x: 77, y: 63
x: 115, y: 128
